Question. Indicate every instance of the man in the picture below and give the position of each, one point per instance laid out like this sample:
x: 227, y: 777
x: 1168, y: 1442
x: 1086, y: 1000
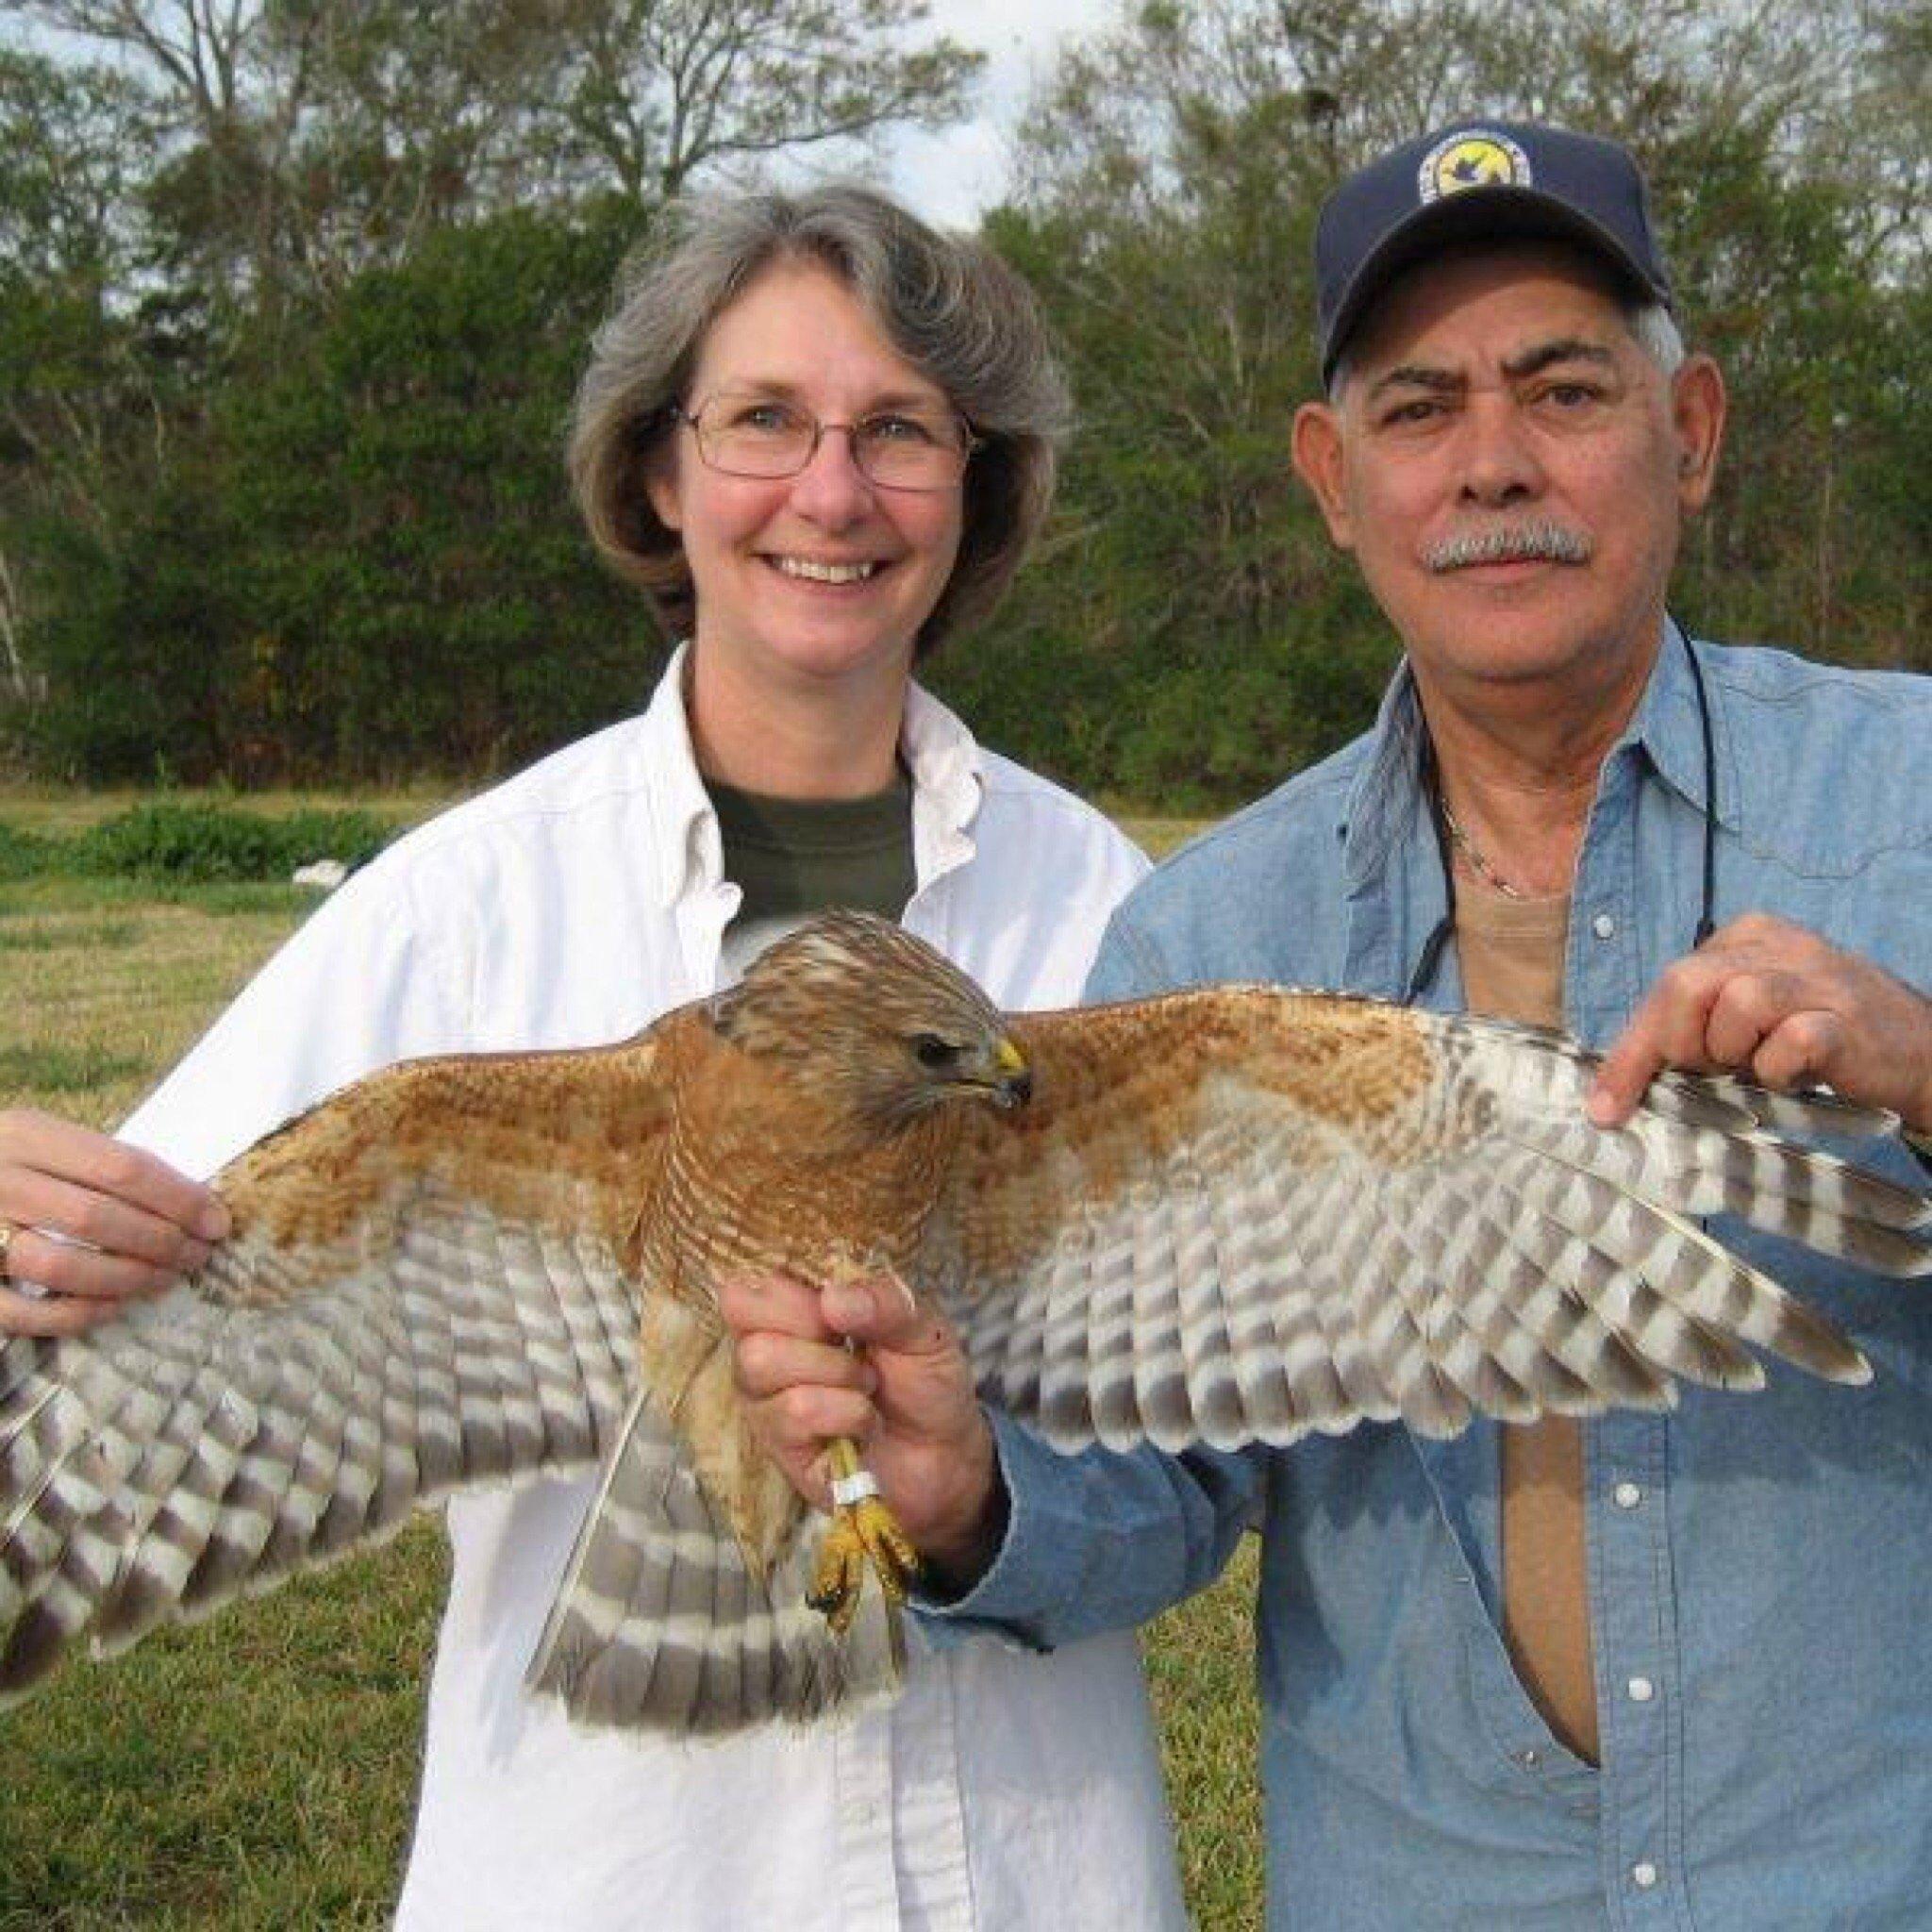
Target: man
x: 1654, y: 1670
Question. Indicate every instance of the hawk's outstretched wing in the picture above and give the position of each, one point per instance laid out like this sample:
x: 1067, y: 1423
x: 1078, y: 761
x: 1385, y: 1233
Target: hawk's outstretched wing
x: 430, y: 1283
x: 1243, y: 1213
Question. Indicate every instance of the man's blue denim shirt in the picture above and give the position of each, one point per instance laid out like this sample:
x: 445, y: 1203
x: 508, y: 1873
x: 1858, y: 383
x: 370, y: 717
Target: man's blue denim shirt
x: 1760, y: 1566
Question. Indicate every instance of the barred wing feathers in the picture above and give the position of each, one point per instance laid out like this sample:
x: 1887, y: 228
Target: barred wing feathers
x: 1243, y: 1213
x: 429, y: 1285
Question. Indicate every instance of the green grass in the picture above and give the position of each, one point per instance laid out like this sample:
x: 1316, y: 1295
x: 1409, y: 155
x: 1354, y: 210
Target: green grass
x: 55, y: 1069
x: 260, y: 1770
x: 68, y: 935
x: 1159, y: 837
x: 1201, y: 1670
x: 256, y: 1771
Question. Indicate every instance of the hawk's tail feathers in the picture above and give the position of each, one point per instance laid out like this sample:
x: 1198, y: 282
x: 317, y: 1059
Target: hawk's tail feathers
x: 661, y: 1623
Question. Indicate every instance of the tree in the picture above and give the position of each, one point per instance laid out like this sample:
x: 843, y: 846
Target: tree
x: 653, y: 90
x: 368, y: 566
x: 74, y: 401
x: 306, y: 139
x: 222, y: 118
x: 66, y: 247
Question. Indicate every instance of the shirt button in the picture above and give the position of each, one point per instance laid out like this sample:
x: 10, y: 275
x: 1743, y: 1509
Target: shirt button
x: 1530, y: 1759
x: 1641, y: 1690
x: 1603, y: 925
x: 1627, y: 1495
x: 1644, y: 1874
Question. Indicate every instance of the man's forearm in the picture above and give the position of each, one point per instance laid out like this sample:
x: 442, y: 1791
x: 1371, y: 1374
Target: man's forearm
x: 1091, y: 1543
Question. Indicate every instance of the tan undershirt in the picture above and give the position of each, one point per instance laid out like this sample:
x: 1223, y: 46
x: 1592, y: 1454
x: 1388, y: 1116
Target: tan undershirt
x: 1511, y: 953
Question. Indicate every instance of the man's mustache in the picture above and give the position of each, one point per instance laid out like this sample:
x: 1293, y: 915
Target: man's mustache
x: 1532, y: 542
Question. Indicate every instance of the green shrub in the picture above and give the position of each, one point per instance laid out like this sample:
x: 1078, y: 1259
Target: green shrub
x: 22, y: 853
x: 203, y: 842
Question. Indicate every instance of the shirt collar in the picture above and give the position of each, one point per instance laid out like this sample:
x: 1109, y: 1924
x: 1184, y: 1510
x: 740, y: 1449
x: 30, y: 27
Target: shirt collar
x: 689, y: 850
x: 947, y: 783
x: 1387, y: 794
x: 1667, y: 729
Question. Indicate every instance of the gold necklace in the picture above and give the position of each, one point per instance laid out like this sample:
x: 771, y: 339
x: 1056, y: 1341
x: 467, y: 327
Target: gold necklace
x: 1478, y: 863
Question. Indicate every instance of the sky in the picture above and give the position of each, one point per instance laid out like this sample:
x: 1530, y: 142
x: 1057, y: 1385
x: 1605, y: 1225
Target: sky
x: 950, y: 177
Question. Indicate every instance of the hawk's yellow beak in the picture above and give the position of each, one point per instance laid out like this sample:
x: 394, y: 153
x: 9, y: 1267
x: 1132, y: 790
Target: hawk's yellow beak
x: 1014, y: 1085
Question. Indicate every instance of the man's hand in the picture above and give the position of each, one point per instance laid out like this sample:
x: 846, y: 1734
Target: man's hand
x: 94, y: 1221
x: 1770, y: 999
x: 907, y: 1400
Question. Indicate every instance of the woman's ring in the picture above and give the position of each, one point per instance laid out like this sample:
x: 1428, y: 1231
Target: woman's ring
x: 8, y: 1230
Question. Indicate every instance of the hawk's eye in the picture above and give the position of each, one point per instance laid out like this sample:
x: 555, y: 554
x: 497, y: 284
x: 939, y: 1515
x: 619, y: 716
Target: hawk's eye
x: 934, y: 1053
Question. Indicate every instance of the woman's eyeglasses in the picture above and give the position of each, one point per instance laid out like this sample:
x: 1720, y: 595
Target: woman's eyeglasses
x: 762, y: 436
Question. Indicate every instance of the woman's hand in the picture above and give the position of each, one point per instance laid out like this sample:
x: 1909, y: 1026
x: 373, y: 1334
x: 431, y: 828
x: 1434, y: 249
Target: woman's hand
x: 91, y: 1222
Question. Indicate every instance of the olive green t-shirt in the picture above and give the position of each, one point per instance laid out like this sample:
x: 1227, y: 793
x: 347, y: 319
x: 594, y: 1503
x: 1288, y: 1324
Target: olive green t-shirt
x: 793, y: 856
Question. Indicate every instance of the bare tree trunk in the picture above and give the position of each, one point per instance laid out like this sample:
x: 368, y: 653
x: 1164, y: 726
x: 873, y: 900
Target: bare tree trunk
x: 22, y: 687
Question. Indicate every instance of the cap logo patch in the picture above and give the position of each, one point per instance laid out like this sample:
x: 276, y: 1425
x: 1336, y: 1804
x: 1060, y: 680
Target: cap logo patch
x: 1474, y: 158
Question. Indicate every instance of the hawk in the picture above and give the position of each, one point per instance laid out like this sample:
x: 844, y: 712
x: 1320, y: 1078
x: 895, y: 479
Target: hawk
x: 1224, y: 1216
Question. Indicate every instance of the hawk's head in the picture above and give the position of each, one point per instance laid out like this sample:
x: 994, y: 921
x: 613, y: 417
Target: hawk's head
x: 860, y: 1008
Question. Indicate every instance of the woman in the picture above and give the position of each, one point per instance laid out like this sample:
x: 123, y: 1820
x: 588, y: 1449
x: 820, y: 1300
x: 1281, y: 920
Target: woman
x: 819, y: 437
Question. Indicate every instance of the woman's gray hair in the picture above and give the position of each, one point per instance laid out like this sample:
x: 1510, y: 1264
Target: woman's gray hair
x: 947, y: 303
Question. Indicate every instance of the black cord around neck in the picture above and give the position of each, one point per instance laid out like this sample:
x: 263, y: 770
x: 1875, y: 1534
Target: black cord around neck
x: 1709, y: 903
x: 1430, y: 958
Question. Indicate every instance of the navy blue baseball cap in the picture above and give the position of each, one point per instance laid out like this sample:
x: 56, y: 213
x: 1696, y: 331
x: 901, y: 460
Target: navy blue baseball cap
x: 1478, y: 181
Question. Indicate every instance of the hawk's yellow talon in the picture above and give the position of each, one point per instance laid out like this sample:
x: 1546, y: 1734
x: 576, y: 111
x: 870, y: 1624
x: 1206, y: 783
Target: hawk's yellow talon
x: 863, y: 1534
x: 834, y: 1591
x: 894, y: 1561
